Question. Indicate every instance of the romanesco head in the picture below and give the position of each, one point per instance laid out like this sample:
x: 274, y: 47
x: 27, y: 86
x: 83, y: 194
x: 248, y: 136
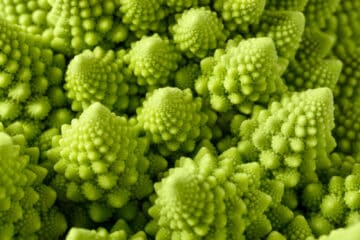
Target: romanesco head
x: 172, y: 118
x: 198, y: 31
x: 100, y: 159
x: 95, y: 76
x: 143, y: 16
x: 76, y: 26
x: 28, y: 69
x: 244, y: 75
x: 239, y: 14
x: 152, y: 60
x: 285, y: 28
x: 26, y: 204
x: 293, y: 136
x: 207, y: 198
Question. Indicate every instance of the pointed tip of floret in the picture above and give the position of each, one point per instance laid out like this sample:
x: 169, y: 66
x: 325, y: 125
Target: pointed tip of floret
x: 265, y: 45
x: 264, y: 42
x: 95, y: 112
x: 298, y: 18
x: 336, y: 66
x: 167, y: 93
x: 177, y: 185
x: 150, y: 44
x: 165, y: 97
x: 5, y: 139
x: 258, y: 47
x: 81, y: 62
x: 321, y: 95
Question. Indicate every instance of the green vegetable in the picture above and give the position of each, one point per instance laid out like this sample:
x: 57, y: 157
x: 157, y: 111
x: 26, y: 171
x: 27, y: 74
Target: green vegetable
x: 172, y: 119
x: 209, y: 197
x: 27, y: 209
x: 198, y: 31
x: 179, y: 119
x: 101, y: 162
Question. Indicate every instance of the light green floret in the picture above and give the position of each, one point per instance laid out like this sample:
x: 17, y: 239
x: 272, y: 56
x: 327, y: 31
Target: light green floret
x: 333, y: 208
x: 143, y: 16
x: 347, y: 91
x: 239, y: 14
x: 347, y: 109
x: 275, y: 235
x: 246, y: 74
x: 311, y: 196
x: 78, y: 25
x: 315, y: 44
x: 340, y: 207
x: 346, y: 27
x: 59, y: 117
x: 102, y: 234
x: 350, y: 233
x: 278, y: 214
x: 298, y: 229
x: 310, y: 68
x: 26, y: 204
x: 13, y: 181
x: 208, y: 197
x: 292, y: 137
x: 341, y: 165
x: 313, y: 74
x: 100, y: 162
x: 30, y: 129
x: 172, y: 119
x: 258, y: 228
x: 317, y: 12
x: 29, y: 14
x: 347, y: 122
x: 28, y: 69
x: 198, y: 31
x: 185, y: 77
x: 153, y: 60
x: 95, y: 76
x: 285, y: 28
x: 292, y: 5
x: 319, y: 225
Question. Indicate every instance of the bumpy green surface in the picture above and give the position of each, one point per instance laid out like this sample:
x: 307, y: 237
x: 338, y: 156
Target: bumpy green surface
x: 78, y: 25
x: 152, y: 60
x: 347, y: 89
x: 318, y: 11
x: 28, y: 70
x: 185, y: 77
x: 29, y: 14
x: 311, y: 69
x: 199, y: 198
x: 350, y: 233
x: 179, y: 120
x: 198, y: 31
x: 143, y: 16
x: 96, y: 76
x: 26, y: 205
x: 180, y: 5
x: 285, y: 28
x: 172, y: 119
x: 293, y: 5
x: 102, y: 234
x: 239, y: 14
x: 101, y: 161
x: 293, y: 136
x: 244, y: 75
